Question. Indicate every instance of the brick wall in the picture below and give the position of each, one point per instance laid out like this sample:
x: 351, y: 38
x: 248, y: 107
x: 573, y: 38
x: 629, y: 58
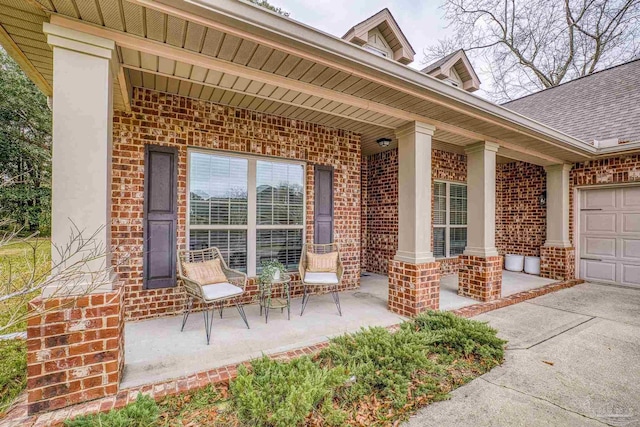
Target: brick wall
x: 381, y: 207
x: 75, y: 349
x: 364, y: 188
x: 521, y: 223
x: 413, y: 288
x: 480, y: 278
x: 380, y: 202
x: 557, y: 263
x: 172, y: 120
x: 446, y: 166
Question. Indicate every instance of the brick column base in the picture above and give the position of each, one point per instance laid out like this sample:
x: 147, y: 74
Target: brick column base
x: 75, y: 349
x: 413, y: 288
x: 480, y: 278
x: 558, y: 263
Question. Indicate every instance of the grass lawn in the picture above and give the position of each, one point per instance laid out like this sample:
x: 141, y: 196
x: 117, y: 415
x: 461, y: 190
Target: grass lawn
x: 16, y: 263
x: 370, y: 378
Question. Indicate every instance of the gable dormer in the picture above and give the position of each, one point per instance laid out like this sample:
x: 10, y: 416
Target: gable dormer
x: 456, y: 70
x: 380, y: 34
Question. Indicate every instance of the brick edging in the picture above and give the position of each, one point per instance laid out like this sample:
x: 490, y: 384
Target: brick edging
x: 483, y: 307
x: 18, y: 415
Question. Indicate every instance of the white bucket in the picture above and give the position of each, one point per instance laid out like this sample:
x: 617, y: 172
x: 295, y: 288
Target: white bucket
x: 513, y: 262
x: 532, y: 265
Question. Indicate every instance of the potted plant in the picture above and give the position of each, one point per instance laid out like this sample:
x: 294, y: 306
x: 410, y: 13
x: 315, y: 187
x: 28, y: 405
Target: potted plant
x: 272, y: 271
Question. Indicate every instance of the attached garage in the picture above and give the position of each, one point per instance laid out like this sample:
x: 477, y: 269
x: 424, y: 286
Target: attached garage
x: 609, y: 235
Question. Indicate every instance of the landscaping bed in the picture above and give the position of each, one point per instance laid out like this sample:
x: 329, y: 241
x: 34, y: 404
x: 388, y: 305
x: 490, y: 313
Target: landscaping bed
x: 374, y: 377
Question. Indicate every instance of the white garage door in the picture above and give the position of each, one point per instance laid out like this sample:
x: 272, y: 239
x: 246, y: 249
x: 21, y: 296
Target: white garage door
x: 610, y: 235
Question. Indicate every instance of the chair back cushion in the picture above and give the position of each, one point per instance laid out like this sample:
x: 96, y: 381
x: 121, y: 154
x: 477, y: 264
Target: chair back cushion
x: 205, y: 272
x: 322, y: 263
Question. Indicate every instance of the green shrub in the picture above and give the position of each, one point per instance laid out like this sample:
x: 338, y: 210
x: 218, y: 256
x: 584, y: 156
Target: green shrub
x: 142, y: 413
x: 385, y: 364
x: 13, y: 371
x: 459, y: 336
x: 283, y: 394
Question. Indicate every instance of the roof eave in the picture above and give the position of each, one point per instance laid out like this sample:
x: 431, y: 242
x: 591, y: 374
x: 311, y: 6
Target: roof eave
x: 250, y: 16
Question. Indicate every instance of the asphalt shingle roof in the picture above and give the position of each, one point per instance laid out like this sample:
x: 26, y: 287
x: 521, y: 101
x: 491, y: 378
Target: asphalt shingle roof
x: 603, y: 105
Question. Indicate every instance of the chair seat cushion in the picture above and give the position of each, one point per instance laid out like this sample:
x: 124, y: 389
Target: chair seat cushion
x: 321, y: 278
x: 220, y: 290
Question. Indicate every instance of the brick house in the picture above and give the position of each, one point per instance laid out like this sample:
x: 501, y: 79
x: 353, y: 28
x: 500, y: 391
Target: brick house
x: 224, y: 100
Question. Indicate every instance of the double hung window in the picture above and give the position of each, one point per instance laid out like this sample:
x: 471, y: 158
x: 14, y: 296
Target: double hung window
x: 250, y: 208
x: 449, y: 219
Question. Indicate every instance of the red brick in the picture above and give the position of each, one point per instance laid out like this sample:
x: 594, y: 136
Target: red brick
x: 413, y: 288
x: 380, y: 205
x: 74, y: 366
x: 480, y: 278
x: 206, y: 125
x: 557, y: 263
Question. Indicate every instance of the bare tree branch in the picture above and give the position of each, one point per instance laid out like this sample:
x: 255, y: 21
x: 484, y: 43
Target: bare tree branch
x: 540, y: 43
x: 80, y: 267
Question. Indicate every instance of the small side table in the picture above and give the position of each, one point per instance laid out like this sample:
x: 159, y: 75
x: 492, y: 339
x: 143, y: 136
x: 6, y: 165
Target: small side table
x: 269, y: 303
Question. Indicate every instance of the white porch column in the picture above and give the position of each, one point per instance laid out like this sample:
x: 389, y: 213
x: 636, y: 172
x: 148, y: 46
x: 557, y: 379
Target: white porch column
x: 558, y: 206
x: 82, y: 140
x: 481, y: 199
x: 414, y: 193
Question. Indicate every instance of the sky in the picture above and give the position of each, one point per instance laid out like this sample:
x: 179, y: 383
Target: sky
x: 421, y: 20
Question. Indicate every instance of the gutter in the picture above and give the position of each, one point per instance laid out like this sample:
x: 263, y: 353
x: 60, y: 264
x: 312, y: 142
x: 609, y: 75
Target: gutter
x: 627, y: 147
x: 262, y: 18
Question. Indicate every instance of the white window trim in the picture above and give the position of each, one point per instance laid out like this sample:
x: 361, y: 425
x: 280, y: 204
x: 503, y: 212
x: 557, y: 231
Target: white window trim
x: 252, y: 203
x: 447, y: 226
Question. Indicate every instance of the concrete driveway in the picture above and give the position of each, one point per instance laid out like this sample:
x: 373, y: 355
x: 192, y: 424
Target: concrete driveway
x: 573, y: 359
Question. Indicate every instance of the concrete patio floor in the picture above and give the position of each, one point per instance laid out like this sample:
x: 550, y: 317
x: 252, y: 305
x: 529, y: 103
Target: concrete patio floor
x: 512, y: 283
x: 156, y: 350
x: 572, y: 360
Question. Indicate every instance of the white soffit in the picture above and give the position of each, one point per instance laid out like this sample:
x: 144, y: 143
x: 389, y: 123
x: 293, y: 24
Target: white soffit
x: 126, y: 17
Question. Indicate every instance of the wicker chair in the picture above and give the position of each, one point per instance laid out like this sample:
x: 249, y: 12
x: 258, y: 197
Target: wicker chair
x: 211, y: 294
x: 317, y: 279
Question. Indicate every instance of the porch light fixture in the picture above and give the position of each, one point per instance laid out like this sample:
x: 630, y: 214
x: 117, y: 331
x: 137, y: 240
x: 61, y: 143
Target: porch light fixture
x: 384, y: 142
x: 543, y: 199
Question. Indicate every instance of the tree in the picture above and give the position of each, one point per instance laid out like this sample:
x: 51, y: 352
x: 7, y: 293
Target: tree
x: 25, y: 149
x: 531, y: 45
x: 267, y: 5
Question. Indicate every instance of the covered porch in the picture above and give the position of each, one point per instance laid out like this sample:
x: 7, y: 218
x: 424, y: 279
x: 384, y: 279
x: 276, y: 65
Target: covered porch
x: 156, y: 350
x: 140, y: 98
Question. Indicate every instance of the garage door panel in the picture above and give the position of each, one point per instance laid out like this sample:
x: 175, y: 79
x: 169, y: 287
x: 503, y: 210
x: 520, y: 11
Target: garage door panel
x: 610, y: 235
x: 599, y: 199
x: 630, y: 249
x: 599, y: 246
x: 630, y: 197
x: 630, y: 274
x: 600, y: 271
x: 599, y: 222
x: 630, y: 222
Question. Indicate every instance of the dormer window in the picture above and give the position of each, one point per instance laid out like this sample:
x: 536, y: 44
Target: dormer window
x: 456, y: 70
x: 381, y: 35
x: 375, y: 50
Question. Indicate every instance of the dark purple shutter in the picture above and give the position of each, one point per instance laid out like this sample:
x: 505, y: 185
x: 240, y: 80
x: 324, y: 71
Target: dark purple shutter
x: 160, y: 216
x: 323, y: 221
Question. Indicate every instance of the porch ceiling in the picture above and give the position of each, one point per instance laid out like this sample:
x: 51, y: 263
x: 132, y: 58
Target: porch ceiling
x: 183, y: 48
